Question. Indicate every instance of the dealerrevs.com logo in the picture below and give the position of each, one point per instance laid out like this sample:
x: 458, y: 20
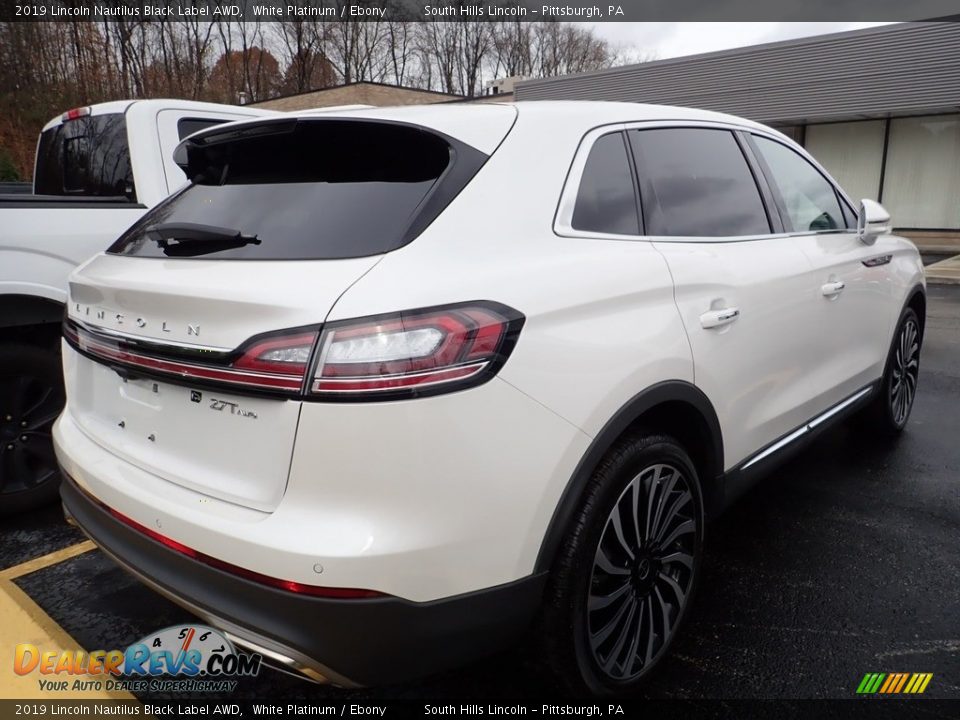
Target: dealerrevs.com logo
x: 193, y: 658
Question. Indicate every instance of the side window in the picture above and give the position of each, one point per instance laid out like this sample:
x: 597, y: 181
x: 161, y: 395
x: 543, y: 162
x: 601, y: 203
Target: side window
x: 849, y: 216
x: 696, y: 182
x: 188, y: 126
x: 606, y: 200
x: 809, y: 197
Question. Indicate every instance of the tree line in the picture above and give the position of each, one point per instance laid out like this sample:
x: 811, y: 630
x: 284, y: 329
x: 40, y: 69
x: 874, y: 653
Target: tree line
x: 46, y: 68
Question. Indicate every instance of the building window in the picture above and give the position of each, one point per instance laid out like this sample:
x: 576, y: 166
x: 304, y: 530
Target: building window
x: 852, y: 152
x: 923, y: 172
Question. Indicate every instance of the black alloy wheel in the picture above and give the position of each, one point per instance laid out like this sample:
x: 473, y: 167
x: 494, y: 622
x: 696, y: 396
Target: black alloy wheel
x: 905, y: 370
x: 890, y: 408
x: 626, y: 572
x: 31, y: 398
x: 642, y: 572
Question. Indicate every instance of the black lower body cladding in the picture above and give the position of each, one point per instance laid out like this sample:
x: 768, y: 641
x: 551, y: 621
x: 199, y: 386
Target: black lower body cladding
x: 355, y: 642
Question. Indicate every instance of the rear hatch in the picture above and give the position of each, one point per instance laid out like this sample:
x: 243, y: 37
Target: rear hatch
x: 195, y: 332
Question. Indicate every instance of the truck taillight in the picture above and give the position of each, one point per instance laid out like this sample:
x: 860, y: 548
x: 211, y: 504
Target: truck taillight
x: 414, y: 353
x: 75, y: 113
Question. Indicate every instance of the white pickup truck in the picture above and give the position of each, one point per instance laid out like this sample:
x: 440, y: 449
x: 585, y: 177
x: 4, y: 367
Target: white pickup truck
x: 98, y: 169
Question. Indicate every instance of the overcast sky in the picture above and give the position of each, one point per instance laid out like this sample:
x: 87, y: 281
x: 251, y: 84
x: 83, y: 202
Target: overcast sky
x: 666, y: 40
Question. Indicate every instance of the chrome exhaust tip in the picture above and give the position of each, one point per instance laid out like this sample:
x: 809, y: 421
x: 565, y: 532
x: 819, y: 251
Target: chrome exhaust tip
x: 279, y: 661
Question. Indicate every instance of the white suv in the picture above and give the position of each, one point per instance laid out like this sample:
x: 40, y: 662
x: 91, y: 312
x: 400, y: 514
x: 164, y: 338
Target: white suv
x: 381, y: 390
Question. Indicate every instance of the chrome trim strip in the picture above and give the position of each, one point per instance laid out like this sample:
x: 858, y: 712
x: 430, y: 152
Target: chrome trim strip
x: 837, y: 408
x: 807, y: 427
x: 141, y: 340
x: 346, y: 380
x: 562, y: 221
x: 778, y: 445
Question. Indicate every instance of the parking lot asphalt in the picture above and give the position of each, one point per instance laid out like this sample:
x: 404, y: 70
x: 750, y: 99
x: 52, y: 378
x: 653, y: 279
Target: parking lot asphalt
x: 843, y: 562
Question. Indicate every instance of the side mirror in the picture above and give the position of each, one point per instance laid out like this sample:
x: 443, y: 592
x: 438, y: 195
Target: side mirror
x: 872, y: 221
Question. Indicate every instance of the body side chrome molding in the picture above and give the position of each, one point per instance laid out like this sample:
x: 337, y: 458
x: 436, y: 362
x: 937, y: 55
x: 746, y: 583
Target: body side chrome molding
x: 806, y: 427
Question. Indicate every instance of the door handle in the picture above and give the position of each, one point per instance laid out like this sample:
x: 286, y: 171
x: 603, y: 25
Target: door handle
x: 832, y: 289
x: 718, y: 318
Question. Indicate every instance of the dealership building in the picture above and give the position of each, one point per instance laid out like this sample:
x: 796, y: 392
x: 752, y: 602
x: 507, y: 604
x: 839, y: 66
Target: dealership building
x: 879, y: 108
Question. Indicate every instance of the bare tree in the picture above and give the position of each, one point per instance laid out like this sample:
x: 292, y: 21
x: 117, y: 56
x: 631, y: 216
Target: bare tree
x: 475, y: 44
x: 511, y: 48
x: 303, y: 41
x: 439, y: 47
x: 47, y: 67
x: 401, y: 44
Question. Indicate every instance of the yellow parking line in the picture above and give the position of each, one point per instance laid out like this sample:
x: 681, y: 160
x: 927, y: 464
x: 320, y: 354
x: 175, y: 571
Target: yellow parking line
x: 47, y: 560
x: 23, y: 621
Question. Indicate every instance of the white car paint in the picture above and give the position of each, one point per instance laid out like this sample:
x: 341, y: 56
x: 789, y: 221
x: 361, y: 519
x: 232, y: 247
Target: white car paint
x: 41, y: 245
x: 433, y: 497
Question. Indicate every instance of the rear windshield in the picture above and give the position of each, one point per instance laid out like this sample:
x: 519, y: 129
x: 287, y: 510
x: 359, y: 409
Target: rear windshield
x: 88, y: 156
x: 315, y: 189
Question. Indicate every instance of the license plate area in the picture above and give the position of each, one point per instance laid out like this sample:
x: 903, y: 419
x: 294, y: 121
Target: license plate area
x: 233, y: 447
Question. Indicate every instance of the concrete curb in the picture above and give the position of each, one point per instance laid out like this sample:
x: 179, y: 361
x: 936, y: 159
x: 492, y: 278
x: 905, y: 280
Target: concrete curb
x: 945, y: 272
x: 942, y: 280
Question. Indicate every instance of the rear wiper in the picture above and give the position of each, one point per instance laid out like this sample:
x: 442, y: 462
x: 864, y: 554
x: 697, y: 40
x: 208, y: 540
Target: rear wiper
x: 191, y: 239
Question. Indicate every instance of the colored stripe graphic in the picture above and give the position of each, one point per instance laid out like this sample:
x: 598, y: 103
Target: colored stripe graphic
x: 891, y: 679
x: 894, y: 683
x: 876, y: 683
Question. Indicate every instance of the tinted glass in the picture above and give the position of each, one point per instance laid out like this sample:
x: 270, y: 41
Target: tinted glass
x: 188, y: 126
x: 700, y: 182
x: 86, y: 156
x: 810, y: 199
x: 318, y: 190
x: 606, y: 200
x: 849, y: 216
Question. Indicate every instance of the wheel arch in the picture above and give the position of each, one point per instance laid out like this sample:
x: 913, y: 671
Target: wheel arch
x: 29, y: 318
x: 917, y: 300
x: 674, y: 407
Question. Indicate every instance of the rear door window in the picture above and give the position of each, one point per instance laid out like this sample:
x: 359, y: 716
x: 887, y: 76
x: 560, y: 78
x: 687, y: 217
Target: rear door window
x: 696, y: 182
x: 606, y: 201
x: 315, y: 189
x: 88, y: 156
x: 809, y: 198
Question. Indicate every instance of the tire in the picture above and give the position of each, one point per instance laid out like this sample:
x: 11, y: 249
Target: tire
x: 608, y: 619
x: 31, y: 397
x: 889, y: 411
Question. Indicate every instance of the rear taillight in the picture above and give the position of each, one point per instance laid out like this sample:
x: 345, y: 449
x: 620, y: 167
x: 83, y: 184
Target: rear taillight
x: 75, y: 113
x: 407, y: 354
x: 274, y: 363
x: 414, y: 353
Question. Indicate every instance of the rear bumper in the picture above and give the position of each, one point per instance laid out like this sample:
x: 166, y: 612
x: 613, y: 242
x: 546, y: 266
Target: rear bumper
x: 347, y: 642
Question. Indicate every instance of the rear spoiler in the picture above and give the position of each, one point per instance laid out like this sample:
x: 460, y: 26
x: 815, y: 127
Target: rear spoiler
x: 191, y: 154
x: 202, y: 155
